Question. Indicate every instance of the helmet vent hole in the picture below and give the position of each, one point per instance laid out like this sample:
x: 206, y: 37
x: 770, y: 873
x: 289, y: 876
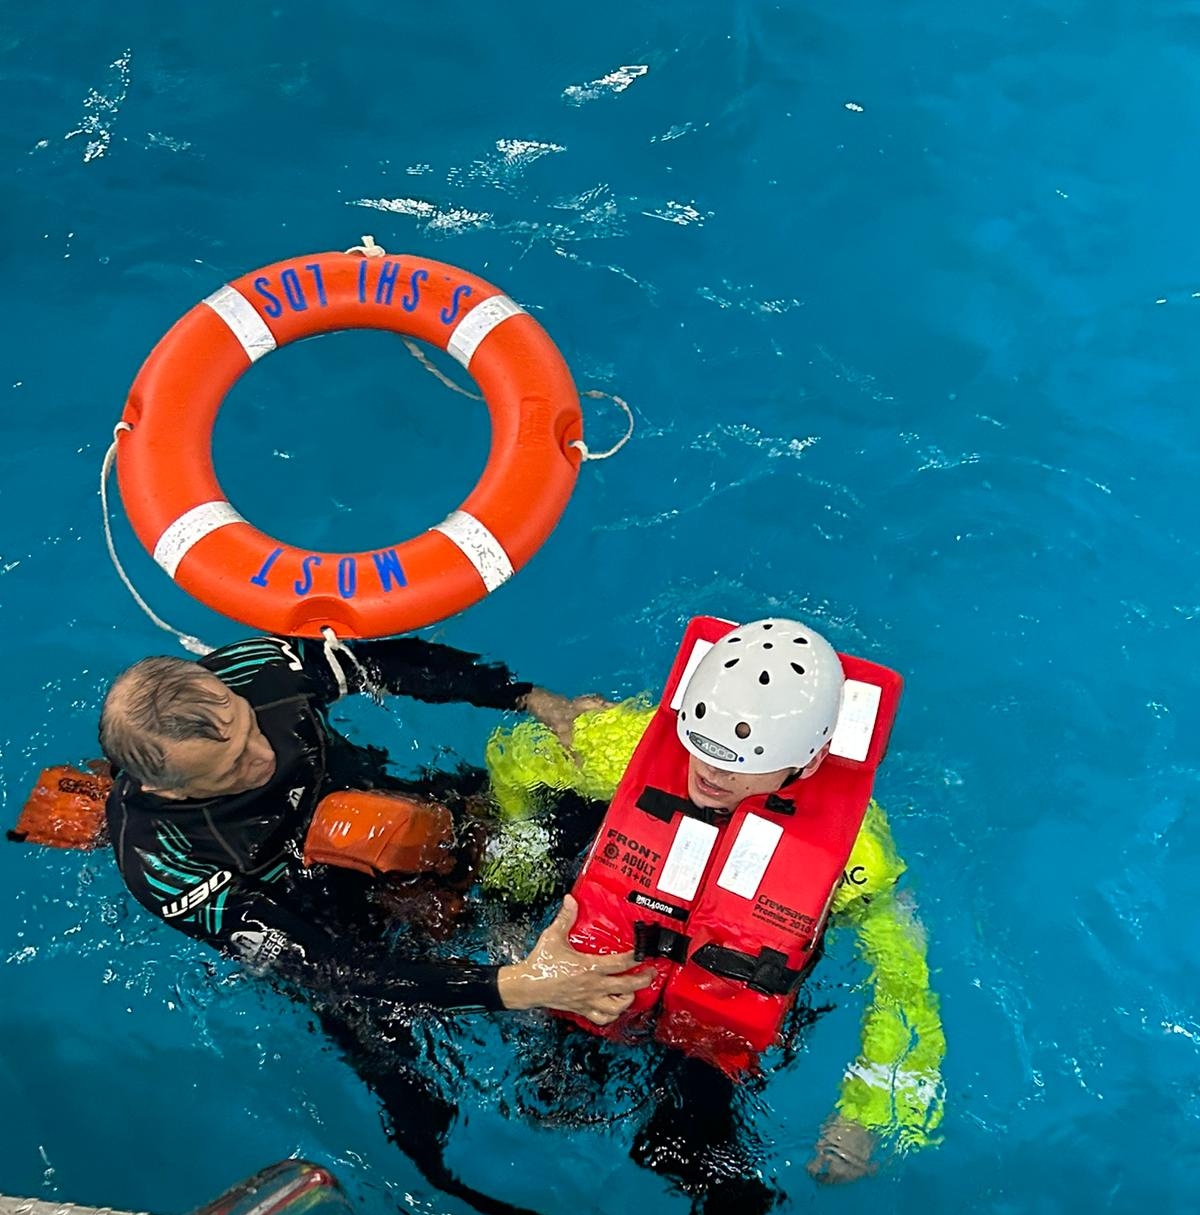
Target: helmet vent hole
x: 764, y: 677
x: 768, y: 626
x: 732, y: 663
x: 800, y: 640
x: 700, y: 709
x: 797, y: 668
x: 768, y: 645
x: 826, y: 731
x: 742, y: 729
x: 758, y: 750
x: 732, y: 640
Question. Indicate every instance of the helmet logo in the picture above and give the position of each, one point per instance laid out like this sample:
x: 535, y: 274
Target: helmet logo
x: 713, y: 750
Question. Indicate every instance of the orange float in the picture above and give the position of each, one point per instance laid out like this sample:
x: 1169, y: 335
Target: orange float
x: 179, y: 512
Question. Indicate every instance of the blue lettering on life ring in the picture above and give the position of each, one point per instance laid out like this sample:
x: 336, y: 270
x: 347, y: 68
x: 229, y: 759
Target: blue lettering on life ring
x: 260, y: 579
x: 304, y: 583
x: 409, y: 302
x: 362, y: 281
x: 448, y: 313
x: 347, y: 577
x: 387, y: 282
x: 289, y: 280
x: 318, y: 282
x: 387, y: 566
x: 272, y: 307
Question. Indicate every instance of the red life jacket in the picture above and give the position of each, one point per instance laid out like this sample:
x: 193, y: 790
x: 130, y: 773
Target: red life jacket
x: 729, y: 908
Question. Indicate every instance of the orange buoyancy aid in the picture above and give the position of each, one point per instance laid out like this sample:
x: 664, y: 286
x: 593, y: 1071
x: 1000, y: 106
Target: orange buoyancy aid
x: 728, y: 908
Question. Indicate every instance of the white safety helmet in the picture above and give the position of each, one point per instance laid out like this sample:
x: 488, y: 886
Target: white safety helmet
x: 765, y: 697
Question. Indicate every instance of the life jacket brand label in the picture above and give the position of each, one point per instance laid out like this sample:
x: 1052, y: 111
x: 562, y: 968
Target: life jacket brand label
x: 657, y: 905
x: 772, y: 911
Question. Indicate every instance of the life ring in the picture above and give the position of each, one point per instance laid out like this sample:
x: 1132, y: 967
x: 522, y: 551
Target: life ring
x: 182, y: 517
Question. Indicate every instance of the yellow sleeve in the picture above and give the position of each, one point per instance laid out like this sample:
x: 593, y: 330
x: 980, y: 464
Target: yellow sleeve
x: 527, y: 765
x: 894, y: 1087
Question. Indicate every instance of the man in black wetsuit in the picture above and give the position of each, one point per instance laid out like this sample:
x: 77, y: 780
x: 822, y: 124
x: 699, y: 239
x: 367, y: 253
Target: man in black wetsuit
x: 220, y: 765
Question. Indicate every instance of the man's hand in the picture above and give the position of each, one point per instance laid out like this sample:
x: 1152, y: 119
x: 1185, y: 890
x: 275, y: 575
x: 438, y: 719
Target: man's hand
x: 558, y: 713
x: 555, y: 975
x: 843, y: 1152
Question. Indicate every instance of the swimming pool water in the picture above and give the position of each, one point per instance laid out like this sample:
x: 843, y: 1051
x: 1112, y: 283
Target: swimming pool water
x: 904, y: 299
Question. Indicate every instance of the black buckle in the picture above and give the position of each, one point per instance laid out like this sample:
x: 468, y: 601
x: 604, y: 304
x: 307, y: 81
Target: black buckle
x: 659, y: 941
x: 767, y: 973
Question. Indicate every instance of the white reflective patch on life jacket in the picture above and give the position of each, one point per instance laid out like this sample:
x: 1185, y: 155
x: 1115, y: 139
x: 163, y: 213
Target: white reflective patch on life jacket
x: 750, y: 855
x: 687, y: 858
x: 856, y: 722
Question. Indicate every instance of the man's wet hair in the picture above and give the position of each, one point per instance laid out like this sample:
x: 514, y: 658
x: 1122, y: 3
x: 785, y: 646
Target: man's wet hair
x: 156, y: 701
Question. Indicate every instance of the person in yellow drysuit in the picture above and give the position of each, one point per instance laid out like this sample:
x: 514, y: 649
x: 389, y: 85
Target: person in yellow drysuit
x: 892, y: 1093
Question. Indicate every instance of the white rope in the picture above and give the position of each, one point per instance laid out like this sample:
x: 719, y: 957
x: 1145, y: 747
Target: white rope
x: 368, y: 248
x: 423, y: 359
x: 335, y: 645
x: 193, y: 644
x: 592, y: 394
x: 596, y: 395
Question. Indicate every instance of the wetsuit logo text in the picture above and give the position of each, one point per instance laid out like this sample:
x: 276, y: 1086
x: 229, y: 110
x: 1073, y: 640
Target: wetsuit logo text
x: 197, y: 895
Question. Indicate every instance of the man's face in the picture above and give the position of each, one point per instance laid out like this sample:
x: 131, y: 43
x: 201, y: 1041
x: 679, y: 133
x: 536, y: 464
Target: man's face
x: 241, y: 760
x: 716, y: 789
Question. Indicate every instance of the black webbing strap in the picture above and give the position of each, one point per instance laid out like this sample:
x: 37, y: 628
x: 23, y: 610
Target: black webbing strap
x: 659, y: 941
x: 768, y: 972
x: 660, y: 804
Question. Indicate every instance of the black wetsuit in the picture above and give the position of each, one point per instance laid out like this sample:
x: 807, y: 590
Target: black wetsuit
x: 228, y: 871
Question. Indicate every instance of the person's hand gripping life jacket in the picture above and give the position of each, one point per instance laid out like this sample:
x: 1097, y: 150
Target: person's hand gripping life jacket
x: 730, y: 908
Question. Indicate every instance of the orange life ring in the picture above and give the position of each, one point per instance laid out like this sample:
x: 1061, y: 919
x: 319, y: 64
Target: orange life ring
x: 181, y: 515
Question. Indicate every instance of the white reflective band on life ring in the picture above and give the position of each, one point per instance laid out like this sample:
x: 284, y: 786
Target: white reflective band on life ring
x: 477, y: 324
x: 244, y: 322
x: 190, y: 528
x: 480, y: 547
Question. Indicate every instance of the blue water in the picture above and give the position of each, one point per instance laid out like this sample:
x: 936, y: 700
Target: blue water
x: 904, y: 299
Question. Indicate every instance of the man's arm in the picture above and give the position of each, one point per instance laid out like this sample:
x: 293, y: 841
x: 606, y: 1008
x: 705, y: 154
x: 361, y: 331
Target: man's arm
x: 424, y: 670
x: 894, y: 1087
x: 438, y: 674
x: 242, y: 918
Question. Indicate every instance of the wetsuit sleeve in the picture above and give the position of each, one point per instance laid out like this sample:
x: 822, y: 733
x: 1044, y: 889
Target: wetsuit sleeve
x: 894, y: 1087
x: 411, y: 666
x: 240, y: 917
